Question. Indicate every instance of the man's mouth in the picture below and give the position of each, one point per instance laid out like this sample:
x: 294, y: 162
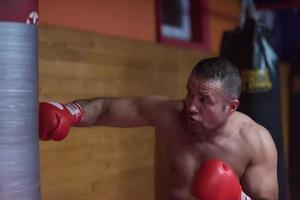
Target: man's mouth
x: 192, y: 119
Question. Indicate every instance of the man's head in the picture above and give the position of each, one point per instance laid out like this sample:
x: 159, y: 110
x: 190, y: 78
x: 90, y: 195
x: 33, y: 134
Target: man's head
x: 223, y: 70
x: 214, y: 87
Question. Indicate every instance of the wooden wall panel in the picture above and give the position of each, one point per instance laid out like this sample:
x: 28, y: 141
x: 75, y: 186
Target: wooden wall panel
x: 284, y: 79
x: 223, y: 16
x: 102, y: 162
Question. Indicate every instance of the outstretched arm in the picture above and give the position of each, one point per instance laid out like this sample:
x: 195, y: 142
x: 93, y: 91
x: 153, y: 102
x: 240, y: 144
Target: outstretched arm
x: 55, y: 119
x: 121, y: 112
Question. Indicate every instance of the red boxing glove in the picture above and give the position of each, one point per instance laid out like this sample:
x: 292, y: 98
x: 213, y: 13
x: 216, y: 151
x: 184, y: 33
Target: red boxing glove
x: 55, y: 120
x: 215, y: 180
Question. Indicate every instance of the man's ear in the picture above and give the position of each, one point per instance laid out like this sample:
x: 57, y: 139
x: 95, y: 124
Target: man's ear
x: 232, y: 106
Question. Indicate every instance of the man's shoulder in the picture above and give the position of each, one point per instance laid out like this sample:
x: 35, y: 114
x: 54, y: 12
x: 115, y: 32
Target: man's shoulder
x: 255, y: 135
x: 249, y: 126
x: 161, y: 109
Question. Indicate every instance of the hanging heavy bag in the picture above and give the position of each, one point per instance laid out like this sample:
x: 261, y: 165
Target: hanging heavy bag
x: 250, y: 47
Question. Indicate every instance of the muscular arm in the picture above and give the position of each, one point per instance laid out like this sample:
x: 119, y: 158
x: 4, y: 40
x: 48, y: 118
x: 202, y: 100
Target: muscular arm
x: 121, y: 112
x: 260, y: 178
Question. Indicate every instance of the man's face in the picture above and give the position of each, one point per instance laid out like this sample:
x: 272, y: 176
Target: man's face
x: 205, y: 104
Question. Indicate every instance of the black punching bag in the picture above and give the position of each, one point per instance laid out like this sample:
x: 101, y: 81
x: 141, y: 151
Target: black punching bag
x: 250, y: 47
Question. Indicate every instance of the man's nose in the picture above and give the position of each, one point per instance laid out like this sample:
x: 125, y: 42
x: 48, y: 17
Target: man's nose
x: 191, y: 107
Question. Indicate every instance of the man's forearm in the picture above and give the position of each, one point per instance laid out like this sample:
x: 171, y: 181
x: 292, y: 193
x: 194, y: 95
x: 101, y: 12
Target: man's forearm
x: 93, y: 109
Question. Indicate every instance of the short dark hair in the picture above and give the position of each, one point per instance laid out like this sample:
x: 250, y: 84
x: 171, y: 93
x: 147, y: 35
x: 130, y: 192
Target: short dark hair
x: 217, y: 68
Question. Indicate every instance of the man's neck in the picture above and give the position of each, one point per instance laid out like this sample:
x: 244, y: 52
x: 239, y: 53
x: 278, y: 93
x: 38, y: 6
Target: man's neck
x: 217, y: 132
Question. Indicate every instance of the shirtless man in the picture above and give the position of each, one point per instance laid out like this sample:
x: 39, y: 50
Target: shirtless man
x: 190, y: 132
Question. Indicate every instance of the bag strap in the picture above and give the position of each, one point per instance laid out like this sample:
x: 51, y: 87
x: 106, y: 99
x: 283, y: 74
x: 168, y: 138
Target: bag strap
x: 247, y: 10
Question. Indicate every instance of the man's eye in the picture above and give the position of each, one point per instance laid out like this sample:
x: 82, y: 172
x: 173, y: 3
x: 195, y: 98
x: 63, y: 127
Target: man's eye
x: 203, y: 100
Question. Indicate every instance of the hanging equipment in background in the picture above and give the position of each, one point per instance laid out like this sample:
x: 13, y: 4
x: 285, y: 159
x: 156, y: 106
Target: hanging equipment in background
x: 250, y: 47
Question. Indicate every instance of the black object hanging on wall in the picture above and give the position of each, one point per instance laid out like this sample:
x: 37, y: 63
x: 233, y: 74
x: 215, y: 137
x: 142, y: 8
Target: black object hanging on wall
x: 294, y: 166
x: 250, y: 47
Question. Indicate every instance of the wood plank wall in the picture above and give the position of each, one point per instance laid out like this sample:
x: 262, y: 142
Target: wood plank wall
x: 101, y: 162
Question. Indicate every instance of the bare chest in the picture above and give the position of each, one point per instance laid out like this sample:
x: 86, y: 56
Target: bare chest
x: 178, y: 158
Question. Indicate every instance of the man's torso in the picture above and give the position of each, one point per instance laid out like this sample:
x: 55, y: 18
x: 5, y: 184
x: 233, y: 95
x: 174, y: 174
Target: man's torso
x: 179, y: 154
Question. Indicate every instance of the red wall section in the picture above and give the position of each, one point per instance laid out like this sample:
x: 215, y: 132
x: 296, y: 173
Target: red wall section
x: 134, y: 19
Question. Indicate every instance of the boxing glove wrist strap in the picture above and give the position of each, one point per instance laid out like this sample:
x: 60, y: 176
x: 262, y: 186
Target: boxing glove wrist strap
x: 244, y: 196
x: 76, y: 111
